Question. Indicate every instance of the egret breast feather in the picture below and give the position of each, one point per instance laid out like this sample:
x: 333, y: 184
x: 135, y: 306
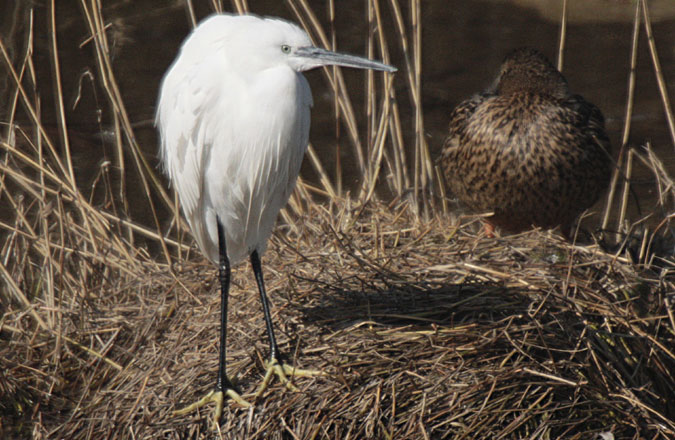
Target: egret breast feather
x: 234, y: 133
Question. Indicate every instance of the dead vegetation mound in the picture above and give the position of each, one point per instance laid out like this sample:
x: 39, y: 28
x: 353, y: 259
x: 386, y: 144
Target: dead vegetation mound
x: 425, y: 331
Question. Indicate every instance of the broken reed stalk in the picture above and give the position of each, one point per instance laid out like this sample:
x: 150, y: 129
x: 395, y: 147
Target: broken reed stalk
x: 125, y: 137
x: 379, y: 122
x: 664, y: 182
x: 377, y: 129
x: 627, y: 120
x: 309, y: 21
x: 563, y: 34
x: 626, y: 188
x: 423, y: 162
x: 60, y: 111
x: 658, y: 72
x: 336, y: 105
x: 413, y: 80
x: 370, y: 95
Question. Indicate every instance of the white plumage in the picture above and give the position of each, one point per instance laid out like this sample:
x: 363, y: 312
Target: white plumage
x: 234, y: 129
x: 233, y: 118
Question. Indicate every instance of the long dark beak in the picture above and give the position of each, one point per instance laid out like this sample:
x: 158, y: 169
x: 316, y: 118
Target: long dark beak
x: 317, y: 57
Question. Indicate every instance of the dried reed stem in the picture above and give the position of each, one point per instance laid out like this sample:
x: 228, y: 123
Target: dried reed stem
x: 658, y: 72
x: 627, y: 117
x: 563, y: 33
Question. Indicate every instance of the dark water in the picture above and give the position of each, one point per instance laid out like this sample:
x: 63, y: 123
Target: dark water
x: 463, y: 44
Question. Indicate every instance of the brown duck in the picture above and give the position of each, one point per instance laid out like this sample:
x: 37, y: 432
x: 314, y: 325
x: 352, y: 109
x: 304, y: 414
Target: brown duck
x: 526, y: 149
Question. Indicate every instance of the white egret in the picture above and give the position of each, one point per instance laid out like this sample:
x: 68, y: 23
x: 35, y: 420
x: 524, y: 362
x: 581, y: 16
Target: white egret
x: 233, y: 117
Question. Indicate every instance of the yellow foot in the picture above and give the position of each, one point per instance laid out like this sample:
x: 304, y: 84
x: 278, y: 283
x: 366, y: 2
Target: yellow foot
x: 214, y: 396
x: 282, y: 371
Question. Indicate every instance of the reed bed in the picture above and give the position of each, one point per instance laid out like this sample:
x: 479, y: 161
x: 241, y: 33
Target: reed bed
x: 424, y: 327
x: 425, y: 330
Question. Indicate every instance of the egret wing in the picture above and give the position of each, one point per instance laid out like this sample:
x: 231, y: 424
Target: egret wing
x: 186, y: 97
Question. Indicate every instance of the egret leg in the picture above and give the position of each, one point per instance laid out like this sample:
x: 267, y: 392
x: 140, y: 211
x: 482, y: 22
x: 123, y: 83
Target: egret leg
x: 223, y: 385
x: 274, y: 364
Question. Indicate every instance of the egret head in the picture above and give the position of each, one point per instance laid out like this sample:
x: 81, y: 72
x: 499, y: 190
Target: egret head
x: 252, y: 43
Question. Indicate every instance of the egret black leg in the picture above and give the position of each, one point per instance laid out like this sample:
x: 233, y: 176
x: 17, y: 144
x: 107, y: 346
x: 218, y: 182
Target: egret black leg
x: 223, y: 382
x: 274, y: 365
x: 223, y: 385
x: 257, y: 271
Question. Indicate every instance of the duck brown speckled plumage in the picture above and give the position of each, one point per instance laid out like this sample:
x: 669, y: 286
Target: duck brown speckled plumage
x: 527, y: 149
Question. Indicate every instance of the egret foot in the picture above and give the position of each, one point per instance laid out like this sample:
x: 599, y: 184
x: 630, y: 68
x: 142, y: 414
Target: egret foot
x: 218, y: 397
x: 282, y: 371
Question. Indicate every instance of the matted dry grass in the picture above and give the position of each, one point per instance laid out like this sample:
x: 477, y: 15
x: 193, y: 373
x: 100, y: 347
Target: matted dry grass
x: 425, y: 330
x: 424, y: 327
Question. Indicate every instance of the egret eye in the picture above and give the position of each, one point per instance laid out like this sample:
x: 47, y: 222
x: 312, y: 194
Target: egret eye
x: 285, y: 48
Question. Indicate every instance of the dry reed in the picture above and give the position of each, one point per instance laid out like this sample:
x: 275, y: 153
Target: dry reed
x: 426, y: 328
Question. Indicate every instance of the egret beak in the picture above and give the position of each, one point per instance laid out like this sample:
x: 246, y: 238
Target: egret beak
x: 316, y: 57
